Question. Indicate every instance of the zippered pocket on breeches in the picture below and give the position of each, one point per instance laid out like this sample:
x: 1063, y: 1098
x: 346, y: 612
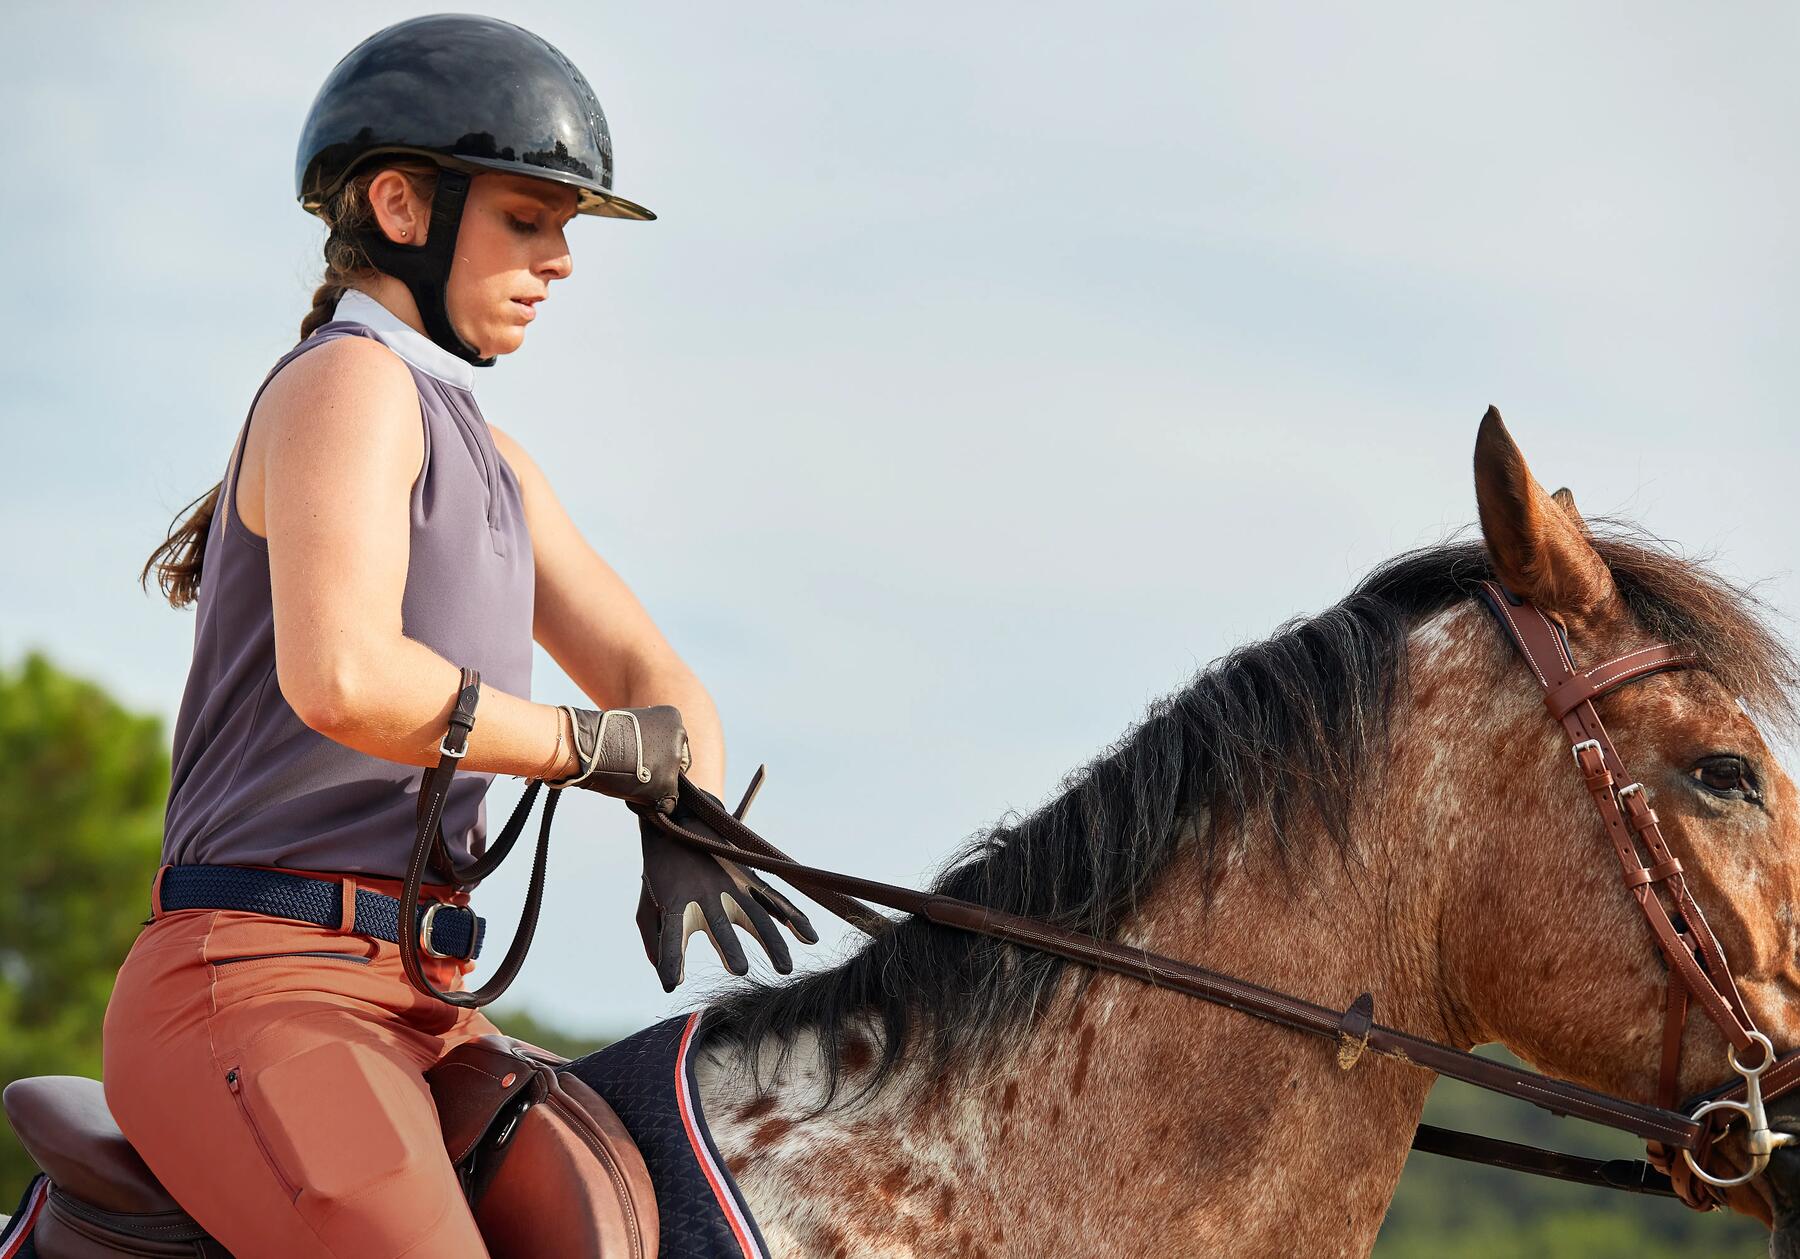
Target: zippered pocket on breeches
x: 359, y: 958
x: 234, y: 1080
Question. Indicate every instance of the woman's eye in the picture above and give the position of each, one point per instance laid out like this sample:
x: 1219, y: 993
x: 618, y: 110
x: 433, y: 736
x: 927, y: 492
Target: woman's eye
x: 1726, y: 776
x: 524, y: 227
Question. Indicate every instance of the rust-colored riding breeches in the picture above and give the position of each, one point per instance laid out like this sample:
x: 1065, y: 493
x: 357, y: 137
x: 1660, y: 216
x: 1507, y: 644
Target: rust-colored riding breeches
x: 270, y: 1072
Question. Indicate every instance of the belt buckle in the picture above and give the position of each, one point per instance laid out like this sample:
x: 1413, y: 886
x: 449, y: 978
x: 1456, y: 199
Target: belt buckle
x: 425, y: 925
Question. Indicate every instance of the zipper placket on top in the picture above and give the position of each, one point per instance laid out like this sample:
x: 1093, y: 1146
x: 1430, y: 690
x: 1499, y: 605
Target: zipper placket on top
x: 467, y: 414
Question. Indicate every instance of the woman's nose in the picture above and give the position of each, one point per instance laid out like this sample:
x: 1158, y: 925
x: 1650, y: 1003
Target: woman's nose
x: 558, y: 267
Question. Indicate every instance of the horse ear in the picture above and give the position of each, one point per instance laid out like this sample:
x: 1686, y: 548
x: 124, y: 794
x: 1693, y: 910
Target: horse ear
x: 1538, y: 543
x: 1565, y: 499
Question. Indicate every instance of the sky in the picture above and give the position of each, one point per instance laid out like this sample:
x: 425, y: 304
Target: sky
x: 989, y: 369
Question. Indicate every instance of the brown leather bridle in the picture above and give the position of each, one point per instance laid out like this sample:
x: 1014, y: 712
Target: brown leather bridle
x: 1697, y: 968
x: 1698, y: 973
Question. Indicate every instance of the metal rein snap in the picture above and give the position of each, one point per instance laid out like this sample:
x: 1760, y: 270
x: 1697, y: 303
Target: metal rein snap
x: 1763, y: 1141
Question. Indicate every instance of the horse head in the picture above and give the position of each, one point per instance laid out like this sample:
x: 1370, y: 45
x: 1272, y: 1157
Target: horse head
x: 1551, y: 955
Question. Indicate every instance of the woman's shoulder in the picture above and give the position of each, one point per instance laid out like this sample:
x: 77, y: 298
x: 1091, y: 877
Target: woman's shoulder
x: 348, y: 363
x: 340, y: 379
x: 347, y: 402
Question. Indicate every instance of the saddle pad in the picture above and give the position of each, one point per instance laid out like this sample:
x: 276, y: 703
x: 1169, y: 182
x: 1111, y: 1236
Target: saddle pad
x: 649, y: 1080
x: 15, y: 1237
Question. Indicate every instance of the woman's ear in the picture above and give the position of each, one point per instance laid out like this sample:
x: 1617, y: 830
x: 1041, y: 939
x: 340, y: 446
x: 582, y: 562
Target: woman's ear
x: 403, y: 218
x: 1538, y: 543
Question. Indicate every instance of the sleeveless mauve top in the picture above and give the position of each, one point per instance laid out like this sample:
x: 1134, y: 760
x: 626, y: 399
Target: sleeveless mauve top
x: 253, y: 785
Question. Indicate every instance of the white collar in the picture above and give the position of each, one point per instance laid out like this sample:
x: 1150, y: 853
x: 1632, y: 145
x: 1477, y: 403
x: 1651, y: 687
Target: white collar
x: 356, y: 306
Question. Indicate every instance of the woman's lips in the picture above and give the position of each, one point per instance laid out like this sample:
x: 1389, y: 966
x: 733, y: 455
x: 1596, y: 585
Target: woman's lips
x: 528, y: 309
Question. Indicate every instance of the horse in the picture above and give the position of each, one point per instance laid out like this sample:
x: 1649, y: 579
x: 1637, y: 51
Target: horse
x: 1372, y: 799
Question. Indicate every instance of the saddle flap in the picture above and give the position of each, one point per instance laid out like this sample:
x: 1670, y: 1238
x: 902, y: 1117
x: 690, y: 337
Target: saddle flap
x: 64, y: 1124
x: 571, y: 1182
x: 474, y: 1084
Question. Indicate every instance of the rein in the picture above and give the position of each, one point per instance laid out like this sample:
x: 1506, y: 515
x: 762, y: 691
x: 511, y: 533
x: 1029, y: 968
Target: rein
x: 1698, y: 973
x: 429, y: 847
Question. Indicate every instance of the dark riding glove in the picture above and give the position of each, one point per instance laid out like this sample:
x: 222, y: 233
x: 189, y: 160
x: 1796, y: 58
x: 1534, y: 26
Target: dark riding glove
x: 636, y: 754
x: 688, y: 890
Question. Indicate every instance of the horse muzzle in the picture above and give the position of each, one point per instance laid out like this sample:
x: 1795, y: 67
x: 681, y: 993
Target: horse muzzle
x: 1781, y: 1178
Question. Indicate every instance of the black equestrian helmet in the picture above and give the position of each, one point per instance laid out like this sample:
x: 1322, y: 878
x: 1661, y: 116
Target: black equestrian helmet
x: 469, y: 93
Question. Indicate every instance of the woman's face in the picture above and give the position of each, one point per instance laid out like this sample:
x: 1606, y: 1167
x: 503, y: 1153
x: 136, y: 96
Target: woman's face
x: 509, y: 249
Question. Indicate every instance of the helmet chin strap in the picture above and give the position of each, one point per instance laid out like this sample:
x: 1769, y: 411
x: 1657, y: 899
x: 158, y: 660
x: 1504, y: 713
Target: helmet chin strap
x: 425, y: 269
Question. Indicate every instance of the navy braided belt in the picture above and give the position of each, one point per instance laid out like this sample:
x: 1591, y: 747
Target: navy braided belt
x: 445, y: 930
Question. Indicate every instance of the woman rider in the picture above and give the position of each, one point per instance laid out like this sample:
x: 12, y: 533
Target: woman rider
x: 372, y: 535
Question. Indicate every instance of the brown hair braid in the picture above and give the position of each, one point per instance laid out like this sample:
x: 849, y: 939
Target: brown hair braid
x: 348, y: 214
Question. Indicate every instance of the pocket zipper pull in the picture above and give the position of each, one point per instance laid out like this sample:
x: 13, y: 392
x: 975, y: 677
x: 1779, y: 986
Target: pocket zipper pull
x: 231, y: 1079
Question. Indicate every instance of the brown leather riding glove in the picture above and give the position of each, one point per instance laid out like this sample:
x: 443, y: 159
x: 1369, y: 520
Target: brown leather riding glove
x: 687, y: 890
x: 636, y: 754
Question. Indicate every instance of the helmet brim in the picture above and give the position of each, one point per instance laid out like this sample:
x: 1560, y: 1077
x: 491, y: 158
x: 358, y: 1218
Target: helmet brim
x: 591, y: 198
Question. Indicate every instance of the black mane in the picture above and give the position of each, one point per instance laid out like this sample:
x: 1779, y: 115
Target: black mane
x: 1277, y: 732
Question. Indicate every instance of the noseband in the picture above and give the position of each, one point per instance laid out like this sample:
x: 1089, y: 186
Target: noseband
x: 1698, y: 974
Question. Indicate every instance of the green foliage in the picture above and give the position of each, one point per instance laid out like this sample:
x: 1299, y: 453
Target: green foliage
x: 82, y: 787
x: 1447, y: 1209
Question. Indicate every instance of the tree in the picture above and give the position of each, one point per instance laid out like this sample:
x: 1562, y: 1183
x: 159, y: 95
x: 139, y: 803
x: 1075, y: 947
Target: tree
x: 82, y: 788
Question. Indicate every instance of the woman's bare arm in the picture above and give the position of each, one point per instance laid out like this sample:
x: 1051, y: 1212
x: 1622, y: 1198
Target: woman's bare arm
x: 595, y: 628
x: 327, y: 480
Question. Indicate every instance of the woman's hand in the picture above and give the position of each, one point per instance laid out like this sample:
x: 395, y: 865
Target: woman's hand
x: 686, y: 890
x: 635, y: 754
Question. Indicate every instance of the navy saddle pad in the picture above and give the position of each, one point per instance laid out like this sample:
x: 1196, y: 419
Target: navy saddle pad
x: 649, y: 1080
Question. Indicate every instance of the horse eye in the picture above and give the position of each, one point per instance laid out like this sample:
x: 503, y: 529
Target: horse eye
x: 1726, y: 776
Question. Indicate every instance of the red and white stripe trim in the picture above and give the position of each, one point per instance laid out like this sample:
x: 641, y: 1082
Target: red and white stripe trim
x: 26, y: 1219
x: 690, y: 1122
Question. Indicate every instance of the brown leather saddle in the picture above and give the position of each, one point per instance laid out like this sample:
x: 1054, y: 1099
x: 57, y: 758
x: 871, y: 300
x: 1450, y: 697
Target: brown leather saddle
x: 549, y: 1169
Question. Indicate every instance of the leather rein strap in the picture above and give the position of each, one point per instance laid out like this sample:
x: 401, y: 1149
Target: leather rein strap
x: 1353, y: 1031
x: 1697, y: 969
x: 429, y: 845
